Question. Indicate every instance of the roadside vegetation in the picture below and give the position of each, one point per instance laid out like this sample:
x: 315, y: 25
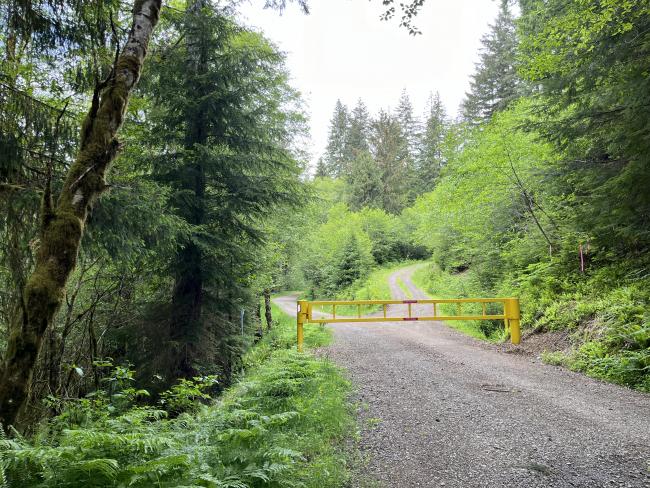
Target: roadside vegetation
x: 374, y: 286
x: 283, y: 422
x: 439, y: 284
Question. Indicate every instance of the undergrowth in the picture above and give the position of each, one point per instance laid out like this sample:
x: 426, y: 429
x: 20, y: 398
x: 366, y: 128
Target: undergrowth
x: 281, y: 425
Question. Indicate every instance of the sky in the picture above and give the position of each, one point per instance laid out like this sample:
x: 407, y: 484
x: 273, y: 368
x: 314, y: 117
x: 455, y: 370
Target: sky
x: 341, y: 50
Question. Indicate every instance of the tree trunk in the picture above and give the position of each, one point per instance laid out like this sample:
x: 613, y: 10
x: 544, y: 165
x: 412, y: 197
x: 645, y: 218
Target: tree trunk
x: 259, y: 333
x: 62, y: 226
x: 187, y: 296
x: 267, y: 309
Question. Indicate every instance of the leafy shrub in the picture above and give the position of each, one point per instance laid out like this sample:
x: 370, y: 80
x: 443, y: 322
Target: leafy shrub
x: 184, y: 396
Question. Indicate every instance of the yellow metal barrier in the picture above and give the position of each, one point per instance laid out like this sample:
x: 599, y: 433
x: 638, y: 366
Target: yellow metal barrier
x: 510, y: 315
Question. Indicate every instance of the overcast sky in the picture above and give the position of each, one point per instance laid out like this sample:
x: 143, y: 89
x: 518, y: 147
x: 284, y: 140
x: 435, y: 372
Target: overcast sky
x: 342, y: 50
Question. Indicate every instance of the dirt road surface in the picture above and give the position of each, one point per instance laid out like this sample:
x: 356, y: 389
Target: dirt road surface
x: 441, y: 409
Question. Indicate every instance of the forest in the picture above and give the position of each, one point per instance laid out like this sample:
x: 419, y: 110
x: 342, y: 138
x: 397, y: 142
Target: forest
x: 156, y: 192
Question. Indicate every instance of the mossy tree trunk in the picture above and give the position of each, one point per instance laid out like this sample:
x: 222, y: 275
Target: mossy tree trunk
x: 62, y: 225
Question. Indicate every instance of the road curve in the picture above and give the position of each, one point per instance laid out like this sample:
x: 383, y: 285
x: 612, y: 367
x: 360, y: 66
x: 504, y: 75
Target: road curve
x: 441, y: 409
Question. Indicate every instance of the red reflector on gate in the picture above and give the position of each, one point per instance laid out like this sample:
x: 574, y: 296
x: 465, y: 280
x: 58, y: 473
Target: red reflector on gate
x: 409, y: 301
x: 410, y: 318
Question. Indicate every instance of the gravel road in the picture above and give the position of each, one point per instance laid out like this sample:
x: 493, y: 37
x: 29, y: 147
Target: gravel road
x: 442, y: 409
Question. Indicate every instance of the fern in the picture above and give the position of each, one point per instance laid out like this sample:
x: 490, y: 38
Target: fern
x: 276, y: 428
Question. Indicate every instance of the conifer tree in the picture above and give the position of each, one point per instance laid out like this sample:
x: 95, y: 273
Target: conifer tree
x: 390, y: 151
x: 430, y: 155
x: 411, y: 134
x: 359, y: 131
x: 495, y: 84
x: 350, y: 266
x: 409, y: 124
x: 321, y: 169
x: 229, y: 165
x: 336, y: 152
x: 364, y: 182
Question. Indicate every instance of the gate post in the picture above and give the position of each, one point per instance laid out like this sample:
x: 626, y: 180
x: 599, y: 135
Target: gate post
x: 513, y: 315
x: 301, y: 316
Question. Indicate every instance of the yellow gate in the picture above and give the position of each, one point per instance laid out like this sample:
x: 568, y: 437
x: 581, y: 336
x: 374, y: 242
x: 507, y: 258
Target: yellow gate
x: 510, y: 314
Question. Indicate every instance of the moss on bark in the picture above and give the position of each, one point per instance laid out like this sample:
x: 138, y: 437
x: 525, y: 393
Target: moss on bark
x: 62, y: 227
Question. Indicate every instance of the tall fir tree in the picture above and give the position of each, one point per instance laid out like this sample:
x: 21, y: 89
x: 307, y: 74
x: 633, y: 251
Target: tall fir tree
x: 390, y: 151
x: 410, y: 129
x: 430, y: 156
x: 229, y: 166
x: 321, y: 169
x: 409, y: 124
x: 188, y: 291
x: 364, y: 182
x: 350, y: 265
x: 336, y: 152
x: 359, y: 131
x: 495, y: 84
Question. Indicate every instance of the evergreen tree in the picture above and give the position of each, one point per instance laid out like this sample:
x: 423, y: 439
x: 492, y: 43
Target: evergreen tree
x: 430, y: 157
x: 351, y: 265
x: 495, y: 84
x: 390, y: 151
x: 336, y: 152
x: 321, y: 169
x: 409, y: 124
x: 410, y: 129
x: 229, y: 164
x: 364, y: 182
x: 359, y: 132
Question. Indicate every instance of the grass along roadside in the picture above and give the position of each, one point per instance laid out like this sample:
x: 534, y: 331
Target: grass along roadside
x: 374, y: 287
x: 284, y: 423
x: 440, y: 284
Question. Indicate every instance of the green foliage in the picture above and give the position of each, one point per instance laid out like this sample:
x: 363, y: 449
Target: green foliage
x: 350, y: 265
x: 185, y: 395
x: 441, y: 284
x: 613, y: 328
x: 388, y: 160
x: 336, y: 155
x: 364, y: 181
x: 224, y: 149
x: 495, y: 84
x: 490, y: 195
x: 497, y: 225
x: 346, y: 245
x: 283, y: 424
x: 590, y: 61
x: 431, y: 154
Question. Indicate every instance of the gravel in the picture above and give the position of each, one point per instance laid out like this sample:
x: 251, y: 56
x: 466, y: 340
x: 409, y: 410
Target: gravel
x: 441, y: 409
